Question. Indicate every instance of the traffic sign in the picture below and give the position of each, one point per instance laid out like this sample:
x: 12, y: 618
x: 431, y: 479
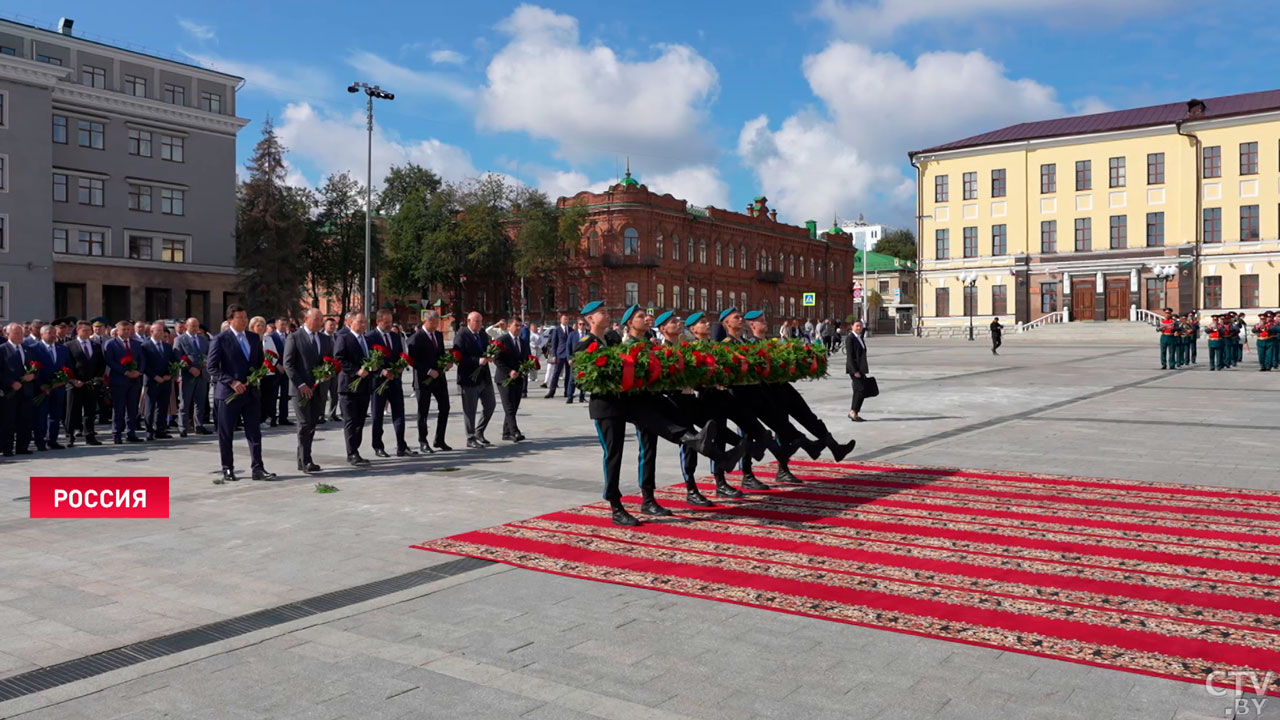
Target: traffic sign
x: 897, y: 295
x: 810, y: 299
x: 857, y: 293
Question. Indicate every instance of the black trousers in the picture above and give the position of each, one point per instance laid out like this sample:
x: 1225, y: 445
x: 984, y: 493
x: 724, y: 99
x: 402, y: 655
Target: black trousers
x: 611, y: 431
x: 439, y: 390
x: 393, y: 398
x: 267, y: 399
x: 246, y: 407
x: 796, y: 406
x: 859, y: 391
x: 158, y: 407
x: 510, y: 396
x: 125, y: 394
x: 332, y: 407
x: 16, y: 417
x: 282, y: 399
x: 82, y: 411
x: 655, y: 414
x: 996, y: 342
x: 647, y: 462
x: 355, y: 408
x: 308, y: 415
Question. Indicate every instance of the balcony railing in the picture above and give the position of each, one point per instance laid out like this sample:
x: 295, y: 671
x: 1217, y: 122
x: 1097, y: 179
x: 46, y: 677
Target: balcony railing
x: 769, y: 276
x: 613, y: 260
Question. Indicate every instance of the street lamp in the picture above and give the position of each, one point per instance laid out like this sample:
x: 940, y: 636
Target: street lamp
x: 970, y: 281
x: 372, y: 91
x: 1163, y: 273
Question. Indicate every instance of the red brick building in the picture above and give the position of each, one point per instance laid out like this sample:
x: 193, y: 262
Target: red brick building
x: 661, y: 252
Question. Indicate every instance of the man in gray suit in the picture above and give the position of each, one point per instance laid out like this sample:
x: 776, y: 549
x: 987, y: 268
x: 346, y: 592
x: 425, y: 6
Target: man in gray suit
x: 194, y: 384
x: 303, y: 351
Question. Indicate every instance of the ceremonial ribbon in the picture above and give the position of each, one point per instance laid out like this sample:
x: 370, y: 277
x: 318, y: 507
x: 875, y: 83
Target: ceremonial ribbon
x: 655, y: 368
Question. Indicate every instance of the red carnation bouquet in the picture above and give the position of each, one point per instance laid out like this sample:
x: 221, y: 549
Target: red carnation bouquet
x: 445, y: 363
x: 527, y: 366
x: 327, y: 368
x: 176, y: 367
x: 33, y: 367
x: 60, y: 378
x: 397, y: 367
x: 266, y: 369
x: 373, y: 364
x: 128, y: 362
x: 491, y: 351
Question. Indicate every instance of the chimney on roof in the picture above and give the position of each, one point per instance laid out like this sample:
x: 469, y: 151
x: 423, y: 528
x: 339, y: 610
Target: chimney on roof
x: 773, y: 215
x: 1195, y: 108
x: 65, y: 24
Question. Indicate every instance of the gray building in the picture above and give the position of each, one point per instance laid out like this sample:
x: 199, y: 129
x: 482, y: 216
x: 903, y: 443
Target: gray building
x: 117, y: 181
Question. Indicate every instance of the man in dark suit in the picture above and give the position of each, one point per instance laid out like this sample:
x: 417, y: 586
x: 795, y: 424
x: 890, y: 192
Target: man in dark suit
x: 384, y: 335
x: 233, y: 354
x: 855, y: 365
x: 279, y: 402
x: 351, y: 349
x: 49, y: 413
x: 193, y: 403
x: 120, y: 353
x: 471, y: 342
x: 561, y: 345
x: 89, y: 366
x: 304, y: 350
x: 425, y: 347
x: 101, y: 334
x: 19, y: 388
x: 507, y: 369
x: 331, y: 404
x: 157, y: 356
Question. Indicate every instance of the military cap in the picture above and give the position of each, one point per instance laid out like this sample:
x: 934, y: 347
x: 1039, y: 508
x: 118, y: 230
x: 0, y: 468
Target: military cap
x: 693, y: 319
x: 99, y: 321
x: 754, y: 315
x: 727, y: 312
x: 664, y: 318
x: 592, y: 306
x: 626, y: 314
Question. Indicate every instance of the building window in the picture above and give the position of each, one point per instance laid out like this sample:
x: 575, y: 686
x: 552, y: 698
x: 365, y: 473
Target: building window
x: 1049, y: 178
x: 970, y: 242
x: 942, y: 244
x: 970, y: 300
x: 1213, y: 161
x: 791, y: 265
x: 1213, y: 225
x: 211, y: 102
x: 970, y: 185
x: 135, y: 86
x: 702, y: 295
x: 1084, y: 234
x: 675, y: 247
x: 1248, y: 291
x: 733, y: 299
x: 140, y: 247
x: 3, y: 95
x: 658, y: 248
x: 662, y: 295
x: 60, y: 129
x: 49, y: 60
x: 688, y: 247
x: 676, y: 298
x: 1155, y: 229
x: 999, y: 239
x: 90, y: 191
x: 702, y: 251
x: 1213, y: 292
x: 742, y: 256
x: 593, y: 292
x: 59, y: 187
x: 743, y: 297
x: 940, y: 192
x: 1119, y: 232
x: 172, y: 201
x: 90, y: 134
x: 573, y: 298
x: 942, y: 302
x: 4, y: 233
x: 999, y: 300
x: 157, y: 302
x: 1084, y: 175
x: 801, y: 266
x: 593, y: 247
x: 1048, y: 236
x: 175, y: 94
x: 93, y: 76
x: 719, y: 255
x: 171, y: 148
x: 87, y: 242
x: 733, y: 258
x: 1115, y: 172
x: 689, y: 304
x: 719, y: 300
x: 140, y: 198
x: 1155, y: 168
x: 6, y: 50
x: 1048, y: 297
x: 1248, y: 223
x: 4, y: 173
x: 997, y: 183
x: 632, y: 294
x: 59, y: 240
x: 630, y: 242
x: 175, y: 251
x: 1249, y: 158
x: 140, y: 143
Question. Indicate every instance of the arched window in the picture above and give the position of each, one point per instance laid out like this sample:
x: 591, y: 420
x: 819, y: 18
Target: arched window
x: 675, y: 297
x: 719, y: 255
x: 657, y: 246
x: 704, y: 295
x: 633, y: 294
x: 733, y: 299
x: 689, y: 305
x: 719, y: 300
x: 831, y: 271
x: 573, y: 298
x: 792, y: 303
x: 742, y: 253
x: 782, y: 305
x: 732, y: 263
x: 782, y: 263
x: 675, y: 247
x: 593, y: 244
x: 791, y: 262
x: 801, y: 266
x: 765, y: 308
x: 688, y: 246
x: 593, y: 292
x: 662, y: 295
x: 813, y: 268
x: 744, y: 298
x: 702, y: 251
x: 630, y: 242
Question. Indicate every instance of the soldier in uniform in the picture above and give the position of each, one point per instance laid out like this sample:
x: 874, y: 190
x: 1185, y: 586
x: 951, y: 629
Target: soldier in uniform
x: 1216, y: 332
x: 1168, y: 329
x: 1265, y: 345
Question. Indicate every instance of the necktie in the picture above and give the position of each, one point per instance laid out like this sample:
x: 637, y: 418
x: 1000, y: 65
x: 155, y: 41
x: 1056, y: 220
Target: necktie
x: 386, y: 341
x: 84, y: 345
x: 315, y: 339
x: 22, y: 355
x: 244, y: 344
x: 363, y: 345
x: 431, y: 337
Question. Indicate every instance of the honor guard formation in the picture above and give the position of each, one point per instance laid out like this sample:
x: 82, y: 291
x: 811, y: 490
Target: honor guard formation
x: 1228, y: 337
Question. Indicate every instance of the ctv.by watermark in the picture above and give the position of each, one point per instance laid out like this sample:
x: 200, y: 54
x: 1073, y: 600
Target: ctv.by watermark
x: 1218, y: 684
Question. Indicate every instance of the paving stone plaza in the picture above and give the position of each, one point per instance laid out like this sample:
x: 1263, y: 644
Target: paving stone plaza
x: 478, y: 640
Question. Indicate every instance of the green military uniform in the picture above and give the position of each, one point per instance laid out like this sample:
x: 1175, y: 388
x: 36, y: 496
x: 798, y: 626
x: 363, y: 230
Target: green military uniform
x: 1217, y: 333
x: 1168, y: 330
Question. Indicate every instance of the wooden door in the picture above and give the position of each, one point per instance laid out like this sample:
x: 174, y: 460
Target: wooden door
x: 1118, y: 298
x: 1082, y: 298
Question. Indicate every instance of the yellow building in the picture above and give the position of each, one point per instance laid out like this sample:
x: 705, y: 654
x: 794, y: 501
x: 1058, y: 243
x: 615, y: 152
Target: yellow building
x: 1105, y: 217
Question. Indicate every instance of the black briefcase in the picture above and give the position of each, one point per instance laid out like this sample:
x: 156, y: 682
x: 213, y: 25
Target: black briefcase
x: 870, y: 388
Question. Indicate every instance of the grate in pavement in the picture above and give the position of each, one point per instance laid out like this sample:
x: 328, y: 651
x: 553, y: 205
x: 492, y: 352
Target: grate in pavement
x: 45, y: 678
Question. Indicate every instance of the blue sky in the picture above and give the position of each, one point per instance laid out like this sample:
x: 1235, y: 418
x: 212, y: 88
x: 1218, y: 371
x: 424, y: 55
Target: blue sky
x: 813, y: 103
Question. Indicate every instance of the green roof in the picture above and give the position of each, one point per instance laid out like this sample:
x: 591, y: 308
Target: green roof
x: 879, y: 262
x: 628, y: 180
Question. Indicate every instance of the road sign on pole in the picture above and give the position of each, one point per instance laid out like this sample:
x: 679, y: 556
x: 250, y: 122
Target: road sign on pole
x: 857, y: 294
x: 810, y: 299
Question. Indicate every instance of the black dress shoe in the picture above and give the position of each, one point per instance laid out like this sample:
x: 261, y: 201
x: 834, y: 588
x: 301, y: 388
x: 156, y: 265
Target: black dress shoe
x: 751, y: 482
x: 202, y: 430
x: 133, y: 439
x: 381, y: 453
x: 285, y: 423
x: 117, y: 440
x: 624, y: 518
x: 694, y: 497
x: 182, y: 433
x: 783, y: 476
x: 25, y: 452
x: 651, y: 507
x: 519, y: 437
x: 724, y: 489
x: 356, y: 460
x: 406, y: 452
x: 569, y: 401
x: 308, y: 467
x: 483, y: 441
x: 228, y: 475
x: 506, y: 437
x: 56, y: 446
x: 841, y: 451
x: 426, y: 449
x: 551, y: 394
x: 164, y: 436
x: 474, y: 445
x: 92, y: 441
x: 262, y: 474
x: 443, y: 447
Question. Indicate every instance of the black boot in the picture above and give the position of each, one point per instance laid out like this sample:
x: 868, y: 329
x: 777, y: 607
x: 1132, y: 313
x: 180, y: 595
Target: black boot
x: 840, y: 451
x: 724, y: 489
x: 693, y: 496
x: 624, y: 518
x: 783, y: 475
x: 751, y: 482
x: 651, y: 506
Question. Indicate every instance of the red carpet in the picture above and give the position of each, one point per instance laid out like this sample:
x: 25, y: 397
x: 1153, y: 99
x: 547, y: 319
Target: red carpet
x: 1176, y: 581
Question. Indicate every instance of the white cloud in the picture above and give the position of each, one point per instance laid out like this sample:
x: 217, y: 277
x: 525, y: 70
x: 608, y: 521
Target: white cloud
x: 332, y: 143
x: 402, y: 80
x: 1091, y: 106
x: 590, y: 102
x: 447, y: 57
x: 881, y: 18
x: 197, y: 30
x: 284, y: 80
x: 699, y: 184
x: 567, y: 183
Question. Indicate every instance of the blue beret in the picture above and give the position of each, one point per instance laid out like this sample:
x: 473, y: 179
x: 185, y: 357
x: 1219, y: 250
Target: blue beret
x: 626, y: 314
x: 753, y: 315
x: 664, y: 318
x: 692, y: 319
x: 727, y: 312
x: 592, y: 306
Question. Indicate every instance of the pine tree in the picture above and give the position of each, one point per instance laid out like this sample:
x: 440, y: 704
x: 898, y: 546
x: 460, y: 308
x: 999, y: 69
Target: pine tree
x: 270, y: 228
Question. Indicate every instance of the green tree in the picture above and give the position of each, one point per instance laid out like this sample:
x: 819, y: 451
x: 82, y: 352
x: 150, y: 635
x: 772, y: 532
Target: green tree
x: 313, y: 255
x: 898, y: 243
x: 402, y: 182
x: 341, y: 226
x: 270, y: 226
